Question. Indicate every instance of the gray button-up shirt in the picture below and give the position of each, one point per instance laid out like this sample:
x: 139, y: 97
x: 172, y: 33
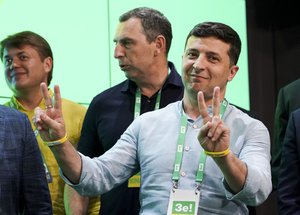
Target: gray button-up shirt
x: 149, y: 145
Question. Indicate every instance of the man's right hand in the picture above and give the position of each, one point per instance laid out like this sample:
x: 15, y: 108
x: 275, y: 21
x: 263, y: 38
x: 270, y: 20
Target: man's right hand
x: 50, y: 122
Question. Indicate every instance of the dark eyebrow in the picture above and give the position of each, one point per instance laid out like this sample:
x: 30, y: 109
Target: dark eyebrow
x: 18, y: 53
x: 191, y: 50
x: 213, y: 53
x: 7, y: 56
x: 124, y: 39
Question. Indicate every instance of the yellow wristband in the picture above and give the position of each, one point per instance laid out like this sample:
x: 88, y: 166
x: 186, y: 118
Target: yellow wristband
x: 57, y: 142
x: 218, y: 154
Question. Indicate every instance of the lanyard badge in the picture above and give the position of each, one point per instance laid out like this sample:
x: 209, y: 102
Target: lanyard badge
x: 185, y: 202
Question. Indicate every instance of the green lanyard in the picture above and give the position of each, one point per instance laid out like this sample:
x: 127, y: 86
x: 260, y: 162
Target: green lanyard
x: 138, y: 98
x: 180, y: 146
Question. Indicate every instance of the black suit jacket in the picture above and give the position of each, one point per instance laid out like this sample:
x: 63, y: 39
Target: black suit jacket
x: 289, y: 174
x: 288, y: 101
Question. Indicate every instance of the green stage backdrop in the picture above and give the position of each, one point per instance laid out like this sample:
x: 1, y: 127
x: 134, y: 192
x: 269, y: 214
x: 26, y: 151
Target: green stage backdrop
x: 81, y: 36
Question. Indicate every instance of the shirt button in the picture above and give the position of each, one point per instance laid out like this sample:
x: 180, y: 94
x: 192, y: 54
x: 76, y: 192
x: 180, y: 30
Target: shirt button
x: 182, y: 174
x: 195, y: 126
x: 186, y: 148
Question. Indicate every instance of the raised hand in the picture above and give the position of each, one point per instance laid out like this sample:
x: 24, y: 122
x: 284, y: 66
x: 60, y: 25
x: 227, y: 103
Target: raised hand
x: 214, y: 135
x: 51, y: 127
x: 50, y: 122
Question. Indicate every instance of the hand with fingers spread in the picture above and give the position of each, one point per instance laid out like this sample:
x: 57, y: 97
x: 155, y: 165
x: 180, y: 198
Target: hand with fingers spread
x: 214, y: 136
x: 49, y: 122
x: 51, y: 127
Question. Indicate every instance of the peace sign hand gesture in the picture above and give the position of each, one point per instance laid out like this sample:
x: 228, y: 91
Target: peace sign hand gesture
x: 50, y: 122
x: 214, y: 135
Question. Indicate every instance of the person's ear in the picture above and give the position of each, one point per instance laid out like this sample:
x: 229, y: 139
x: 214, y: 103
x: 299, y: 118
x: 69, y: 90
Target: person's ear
x: 233, y: 70
x: 48, y: 63
x: 160, y: 43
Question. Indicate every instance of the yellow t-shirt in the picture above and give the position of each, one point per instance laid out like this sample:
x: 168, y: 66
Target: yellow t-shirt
x: 73, y: 114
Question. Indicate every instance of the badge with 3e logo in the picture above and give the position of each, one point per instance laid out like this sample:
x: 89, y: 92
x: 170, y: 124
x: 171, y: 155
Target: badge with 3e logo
x: 183, y: 208
x: 183, y: 202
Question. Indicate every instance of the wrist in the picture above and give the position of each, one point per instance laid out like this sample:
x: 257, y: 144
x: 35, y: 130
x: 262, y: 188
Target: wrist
x: 57, y: 142
x: 218, y: 154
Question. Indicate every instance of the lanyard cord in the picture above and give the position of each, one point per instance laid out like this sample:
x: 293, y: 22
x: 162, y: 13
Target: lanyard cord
x: 138, y: 102
x: 180, y: 146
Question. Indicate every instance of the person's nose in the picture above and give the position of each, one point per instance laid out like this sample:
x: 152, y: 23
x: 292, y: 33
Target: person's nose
x: 119, y: 51
x: 198, y: 64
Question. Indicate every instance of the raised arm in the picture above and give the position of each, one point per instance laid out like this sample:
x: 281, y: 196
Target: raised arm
x: 214, y: 137
x: 50, y: 124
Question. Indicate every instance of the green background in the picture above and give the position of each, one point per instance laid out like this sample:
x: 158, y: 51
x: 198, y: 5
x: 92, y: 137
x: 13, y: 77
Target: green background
x: 81, y: 33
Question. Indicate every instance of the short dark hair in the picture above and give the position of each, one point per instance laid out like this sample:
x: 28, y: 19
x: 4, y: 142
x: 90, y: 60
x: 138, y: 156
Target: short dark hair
x: 29, y: 38
x: 154, y: 23
x: 222, y: 32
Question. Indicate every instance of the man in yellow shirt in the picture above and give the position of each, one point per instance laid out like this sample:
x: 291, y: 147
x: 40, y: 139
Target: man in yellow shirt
x: 28, y: 61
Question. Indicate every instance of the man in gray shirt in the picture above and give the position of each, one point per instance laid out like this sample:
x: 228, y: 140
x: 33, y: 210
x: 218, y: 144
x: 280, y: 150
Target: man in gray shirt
x: 200, y: 155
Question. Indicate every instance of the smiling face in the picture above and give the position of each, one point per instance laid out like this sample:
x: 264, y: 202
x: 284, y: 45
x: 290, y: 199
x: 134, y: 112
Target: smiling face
x: 24, y: 68
x: 206, y: 64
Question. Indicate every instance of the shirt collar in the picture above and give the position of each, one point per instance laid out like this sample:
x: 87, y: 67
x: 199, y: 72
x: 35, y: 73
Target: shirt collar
x: 14, y: 103
x: 173, y: 79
